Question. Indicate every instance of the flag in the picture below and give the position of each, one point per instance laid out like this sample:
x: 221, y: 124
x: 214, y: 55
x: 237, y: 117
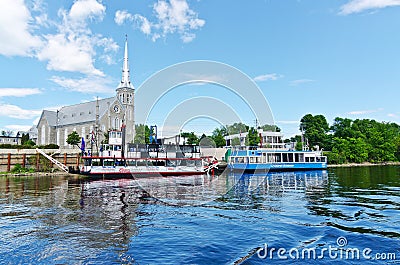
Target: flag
x: 92, y: 138
x: 83, y: 144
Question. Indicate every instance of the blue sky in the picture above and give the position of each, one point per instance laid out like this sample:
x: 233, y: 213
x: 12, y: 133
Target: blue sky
x: 336, y: 58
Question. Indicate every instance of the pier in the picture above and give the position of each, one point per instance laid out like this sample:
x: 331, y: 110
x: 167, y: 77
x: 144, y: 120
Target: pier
x: 30, y: 158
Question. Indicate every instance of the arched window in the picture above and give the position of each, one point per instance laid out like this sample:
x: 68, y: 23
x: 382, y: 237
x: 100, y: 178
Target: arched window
x: 117, y: 123
x: 43, y: 136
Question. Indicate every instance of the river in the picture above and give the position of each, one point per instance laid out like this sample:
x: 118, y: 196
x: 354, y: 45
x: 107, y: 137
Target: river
x: 343, y: 215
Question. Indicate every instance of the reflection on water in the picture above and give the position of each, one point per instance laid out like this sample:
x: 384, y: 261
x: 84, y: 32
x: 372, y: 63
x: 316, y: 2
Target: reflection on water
x: 196, y: 219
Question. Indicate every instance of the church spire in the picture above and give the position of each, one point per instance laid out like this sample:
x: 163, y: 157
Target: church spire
x: 125, y: 81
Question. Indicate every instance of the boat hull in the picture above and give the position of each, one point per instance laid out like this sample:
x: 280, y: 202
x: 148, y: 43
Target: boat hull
x: 277, y: 166
x: 137, y: 172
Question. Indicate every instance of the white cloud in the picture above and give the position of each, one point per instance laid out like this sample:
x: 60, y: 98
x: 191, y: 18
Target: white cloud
x: 86, y: 9
x: 357, y: 6
x: 363, y: 112
x: 69, y: 53
x: 13, y: 111
x: 15, y: 127
x: 72, y: 48
x: 144, y: 24
x: 173, y: 16
x: 121, y: 16
x: 88, y: 84
x: 301, y: 81
x: 287, y: 122
x: 267, y: 77
x: 18, y: 92
x: 16, y: 34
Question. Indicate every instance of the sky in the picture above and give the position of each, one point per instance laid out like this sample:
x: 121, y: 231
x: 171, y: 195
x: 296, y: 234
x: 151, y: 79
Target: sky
x: 335, y: 58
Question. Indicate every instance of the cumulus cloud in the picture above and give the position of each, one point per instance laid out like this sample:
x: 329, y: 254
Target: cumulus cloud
x: 357, y: 6
x: 86, y: 9
x: 18, y: 92
x: 88, y: 84
x: 173, y: 16
x: 13, y: 111
x: 267, y: 77
x: 71, y: 48
x: 16, y: 32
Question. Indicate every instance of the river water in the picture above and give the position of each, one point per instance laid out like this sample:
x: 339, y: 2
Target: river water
x: 343, y: 215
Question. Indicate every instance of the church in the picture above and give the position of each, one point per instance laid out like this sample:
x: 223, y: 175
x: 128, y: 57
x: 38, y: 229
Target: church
x: 91, y: 120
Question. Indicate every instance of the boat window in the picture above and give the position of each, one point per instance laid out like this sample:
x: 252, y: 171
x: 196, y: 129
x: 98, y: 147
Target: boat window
x: 96, y: 162
x: 285, y: 157
x: 312, y: 159
x: 171, y: 163
x: 88, y: 162
x: 130, y: 162
x: 198, y: 163
x: 323, y: 159
x: 252, y: 159
x: 290, y: 156
x: 108, y: 163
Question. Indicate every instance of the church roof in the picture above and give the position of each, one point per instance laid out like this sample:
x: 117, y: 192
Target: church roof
x: 50, y: 116
x: 83, y: 112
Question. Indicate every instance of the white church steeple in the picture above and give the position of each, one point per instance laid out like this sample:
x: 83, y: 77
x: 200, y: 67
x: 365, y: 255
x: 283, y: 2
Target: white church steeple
x: 125, y: 81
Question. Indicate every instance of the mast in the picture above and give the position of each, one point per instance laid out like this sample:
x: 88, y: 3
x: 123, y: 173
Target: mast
x: 96, y: 126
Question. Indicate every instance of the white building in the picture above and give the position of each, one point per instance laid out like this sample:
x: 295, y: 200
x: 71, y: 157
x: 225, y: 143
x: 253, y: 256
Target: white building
x: 269, y: 139
x: 92, y: 119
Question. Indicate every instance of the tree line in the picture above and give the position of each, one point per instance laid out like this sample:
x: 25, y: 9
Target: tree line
x: 352, y: 141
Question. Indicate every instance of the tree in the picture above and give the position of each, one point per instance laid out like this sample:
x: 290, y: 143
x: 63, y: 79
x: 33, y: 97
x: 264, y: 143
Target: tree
x: 24, y: 138
x: 252, y: 139
x: 74, y: 139
x: 218, y: 136
x: 7, y: 133
x: 315, y: 129
x: 235, y: 128
x: 270, y: 128
x: 142, y: 135
x: 190, y: 138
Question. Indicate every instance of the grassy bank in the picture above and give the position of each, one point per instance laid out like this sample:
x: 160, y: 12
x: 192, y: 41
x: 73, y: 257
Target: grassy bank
x: 365, y: 164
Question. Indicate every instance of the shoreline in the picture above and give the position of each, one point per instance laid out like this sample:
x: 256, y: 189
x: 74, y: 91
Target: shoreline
x: 365, y: 164
x: 39, y: 174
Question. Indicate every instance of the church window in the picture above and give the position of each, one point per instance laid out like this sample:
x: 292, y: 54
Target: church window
x: 43, y: 138
x: 65, y: 137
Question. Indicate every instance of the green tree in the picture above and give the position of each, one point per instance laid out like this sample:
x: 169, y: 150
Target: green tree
x: 142, y: 134
x: 74, y: 139
x: 235, y: 128
x: 24, y: 138
x: 218, y: 136
x: 252, y: 139
x: 315, y: 129
x: 270, y: 128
